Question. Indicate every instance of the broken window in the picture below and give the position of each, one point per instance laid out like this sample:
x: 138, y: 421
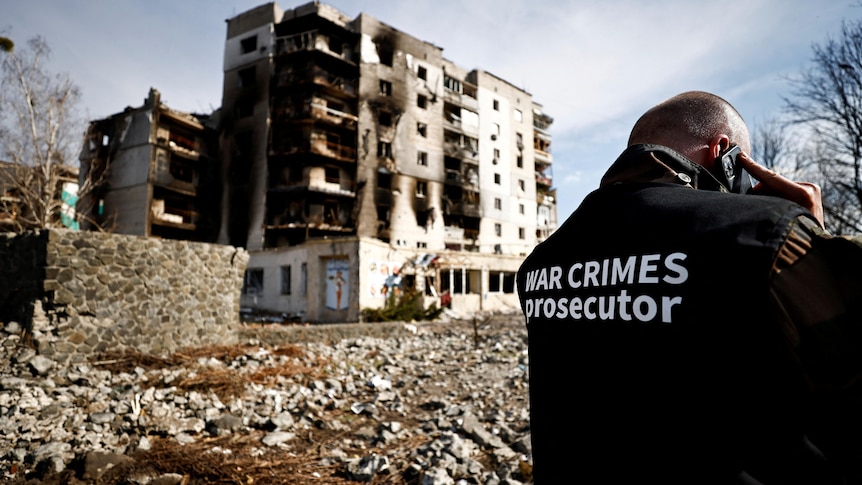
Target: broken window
x: 303, y: 279
x: 385, y: 52
x: 330, y: 212
x: 521, y: 208
x: 452, y: 84
x: 421, y: 188
x: 421, y: 72
x: 422, y: 129
x: 522, y: 233
x: 245, y: 77
x: 249, y: 44
x: 244, y: 107
x: 383, y: 214
x: 384, y: 118
x: 520, y: 161
x: 519, y: 117
x: 384, y: 149
x: 422, y: 159
x: 497, y: 178
x: 422, y: 101
x: 252, y: 283
x: 385, y: 88
x: 496, y: 105
x: 285, y: 280
x: 498, y: 229
x: 384, y: 180
x: 331, y: 175
x: 498, y: 203
x: 521, y: 184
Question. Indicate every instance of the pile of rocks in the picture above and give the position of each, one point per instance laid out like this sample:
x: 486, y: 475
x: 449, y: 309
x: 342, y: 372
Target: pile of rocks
x: 435, y: 403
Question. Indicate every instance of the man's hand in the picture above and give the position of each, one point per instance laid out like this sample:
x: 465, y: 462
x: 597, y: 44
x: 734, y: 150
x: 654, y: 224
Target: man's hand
x: 805, y: 194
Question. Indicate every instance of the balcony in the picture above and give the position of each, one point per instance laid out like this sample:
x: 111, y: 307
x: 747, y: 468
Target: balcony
x: 311, y: 41
x: 543, y: 159
x: 328, y: 149
x: 461, y: 150
x: 287, y: 77
x: 166, y: 215
x: 544, y: 180
x: 461, y: 99
x: 470, y: 209
x: 459, y: 177
x: 336, y: 117
x: 324, y: 187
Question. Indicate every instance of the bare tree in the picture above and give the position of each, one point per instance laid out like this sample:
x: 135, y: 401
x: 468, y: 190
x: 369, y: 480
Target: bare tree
x: 40, y: 135
x: 827, y: 102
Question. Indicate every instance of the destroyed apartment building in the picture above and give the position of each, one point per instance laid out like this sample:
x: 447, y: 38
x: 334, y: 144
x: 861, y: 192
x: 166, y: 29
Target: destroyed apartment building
x: 352, y: 161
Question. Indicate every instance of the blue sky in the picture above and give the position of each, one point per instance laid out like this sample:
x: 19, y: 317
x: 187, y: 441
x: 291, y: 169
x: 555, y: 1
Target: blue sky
x: 595, y: 65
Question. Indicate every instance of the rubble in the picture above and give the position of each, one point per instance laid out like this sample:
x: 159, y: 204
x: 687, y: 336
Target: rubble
x: 440, y: 403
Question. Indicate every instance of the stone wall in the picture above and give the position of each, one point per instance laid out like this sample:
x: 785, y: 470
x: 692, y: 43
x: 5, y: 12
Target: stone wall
x: 81, y: 293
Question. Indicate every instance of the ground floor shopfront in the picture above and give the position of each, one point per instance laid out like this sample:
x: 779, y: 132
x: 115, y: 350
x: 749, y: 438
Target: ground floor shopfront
x: 333, y: 280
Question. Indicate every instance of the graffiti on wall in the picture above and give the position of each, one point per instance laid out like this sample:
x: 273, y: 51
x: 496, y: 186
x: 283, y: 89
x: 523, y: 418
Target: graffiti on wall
x: 384, y: 277
x: 337, y: 284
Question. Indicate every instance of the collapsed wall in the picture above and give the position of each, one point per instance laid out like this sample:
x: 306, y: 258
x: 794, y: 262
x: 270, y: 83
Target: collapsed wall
x: 80, y: 293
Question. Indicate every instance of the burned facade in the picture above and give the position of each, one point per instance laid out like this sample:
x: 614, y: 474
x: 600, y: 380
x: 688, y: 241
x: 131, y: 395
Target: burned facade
x: 149, y: 171
x: 358, y: 160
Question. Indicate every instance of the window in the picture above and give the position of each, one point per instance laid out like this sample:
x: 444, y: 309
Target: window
x: 249, y: 44
x: 383, y: 215
x: 521, y: 184
x: 520, y: 161
x: 496, y: 155
x: 498, y: 203
x: 421, y: 188
x: 521, y: 208
x: 422, y: 129
x: 385, y: 88
x: 384, y: 180
x: 421, y: 72
x: 497, y: 178
x: 252, y: 283
x: 386, y: 53
x: 331, y: 175
x: 496, y: 105
x: 519, y: 117
x: 422, y: 101
x: 245, y: 77
x: 422, y: 159
x: 384, y: 149
x: 244, y: 107
x: 522, y: 233
x: 498, y: 229
x: 421, y: 245
x: 384, y: 118
x: 285, y: 280
x: 303, y: 279
x: 452, y: 83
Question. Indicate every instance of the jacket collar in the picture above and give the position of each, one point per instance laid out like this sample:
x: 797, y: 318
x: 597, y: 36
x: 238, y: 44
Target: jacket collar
x: 659, y: 164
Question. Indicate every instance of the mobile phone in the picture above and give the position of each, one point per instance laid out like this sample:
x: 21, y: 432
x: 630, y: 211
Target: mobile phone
x: 730, y: 172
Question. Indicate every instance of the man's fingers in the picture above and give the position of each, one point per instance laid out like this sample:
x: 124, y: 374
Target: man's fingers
x: 805, y: 194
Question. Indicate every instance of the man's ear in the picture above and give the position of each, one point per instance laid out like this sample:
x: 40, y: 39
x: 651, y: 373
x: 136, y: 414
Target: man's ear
x: 718, y: 145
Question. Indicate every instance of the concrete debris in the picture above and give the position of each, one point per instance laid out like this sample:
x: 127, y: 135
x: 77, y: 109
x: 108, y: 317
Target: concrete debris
x: 432, y: 405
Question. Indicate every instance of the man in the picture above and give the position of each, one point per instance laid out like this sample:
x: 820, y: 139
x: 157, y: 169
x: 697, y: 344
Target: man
x: 680, y: 333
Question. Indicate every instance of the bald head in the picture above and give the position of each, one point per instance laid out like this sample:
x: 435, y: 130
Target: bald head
x: 688, y: 122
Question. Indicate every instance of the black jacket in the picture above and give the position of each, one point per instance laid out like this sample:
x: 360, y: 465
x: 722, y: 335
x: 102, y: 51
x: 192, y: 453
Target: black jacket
x: 655, y: 352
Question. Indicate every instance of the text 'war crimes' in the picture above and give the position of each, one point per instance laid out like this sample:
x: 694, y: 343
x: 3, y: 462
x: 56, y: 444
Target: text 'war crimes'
x: 638, y: 270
